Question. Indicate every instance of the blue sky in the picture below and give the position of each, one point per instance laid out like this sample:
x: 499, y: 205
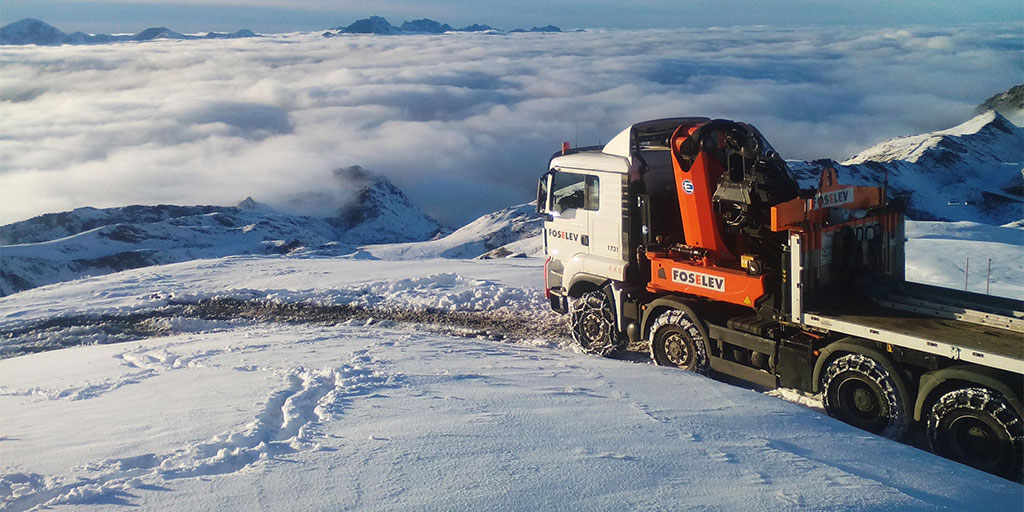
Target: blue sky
x: 296, y: 15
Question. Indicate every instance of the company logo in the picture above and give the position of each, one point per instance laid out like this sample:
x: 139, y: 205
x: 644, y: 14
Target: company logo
x: 564, y: 235
x: 688, y: 186
x: 697, y: 279
x: 833, y: 198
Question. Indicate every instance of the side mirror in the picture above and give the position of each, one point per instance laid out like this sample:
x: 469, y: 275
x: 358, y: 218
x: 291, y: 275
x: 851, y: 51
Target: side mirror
x: 542, y: 194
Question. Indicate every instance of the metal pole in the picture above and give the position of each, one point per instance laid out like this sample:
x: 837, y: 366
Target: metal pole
x: 967, y: 272
x: 988, y: 280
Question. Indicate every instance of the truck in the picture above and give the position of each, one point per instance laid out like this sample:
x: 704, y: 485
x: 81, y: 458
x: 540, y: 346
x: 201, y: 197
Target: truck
x: 692, y: 235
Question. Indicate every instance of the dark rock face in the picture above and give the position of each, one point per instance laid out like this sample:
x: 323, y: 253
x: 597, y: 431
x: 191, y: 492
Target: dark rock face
x: 31, y: 31
x: 372, y: 25
x: 426, y: 26
x: 476, y: 27
x: 1012, y: 99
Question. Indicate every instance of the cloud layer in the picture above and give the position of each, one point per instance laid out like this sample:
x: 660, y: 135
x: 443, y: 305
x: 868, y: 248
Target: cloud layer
x: 464, y: 124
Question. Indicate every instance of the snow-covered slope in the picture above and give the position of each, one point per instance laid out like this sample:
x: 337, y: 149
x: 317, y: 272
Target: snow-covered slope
x: 984, y: 258
x: 970, y: 172
x: 88, y: 241
x: 325, y: 413
x: 511, y: 232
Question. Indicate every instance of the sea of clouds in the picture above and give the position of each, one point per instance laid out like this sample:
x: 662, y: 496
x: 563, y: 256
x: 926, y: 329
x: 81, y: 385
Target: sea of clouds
x: 463, y: 123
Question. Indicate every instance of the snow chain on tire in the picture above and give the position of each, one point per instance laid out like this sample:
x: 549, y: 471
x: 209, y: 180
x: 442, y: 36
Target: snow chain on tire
x: 1002, y: 419
x: 676, y: 319
x: 592, y: 323
x: 868, y: 370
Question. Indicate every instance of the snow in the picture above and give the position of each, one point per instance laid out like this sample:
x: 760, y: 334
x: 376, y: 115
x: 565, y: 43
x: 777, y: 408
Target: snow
x: 190, y: 412
x: 327, y: 417
x: 516, y: 228
x: 945, y: 253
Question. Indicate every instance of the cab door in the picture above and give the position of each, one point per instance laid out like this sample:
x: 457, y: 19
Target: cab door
x: 568, y: 231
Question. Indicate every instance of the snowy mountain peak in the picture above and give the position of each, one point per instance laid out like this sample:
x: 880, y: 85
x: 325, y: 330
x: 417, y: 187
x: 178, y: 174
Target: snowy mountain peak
x: 988, y: 132
x: 968, y: 172
x: 380, y: 212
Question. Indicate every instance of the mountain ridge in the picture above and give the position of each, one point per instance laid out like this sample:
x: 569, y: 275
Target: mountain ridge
x: 970, y: 172
x: 87, y: 241
x: 34, y: 31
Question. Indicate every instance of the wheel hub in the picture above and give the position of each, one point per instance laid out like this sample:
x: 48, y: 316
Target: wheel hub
x: 592, y: 327
x: 675, y: 350
x: 864, y: 400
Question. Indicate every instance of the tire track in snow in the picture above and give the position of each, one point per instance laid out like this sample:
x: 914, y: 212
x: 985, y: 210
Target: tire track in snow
x: 225, y: 313
x: 288, y: 423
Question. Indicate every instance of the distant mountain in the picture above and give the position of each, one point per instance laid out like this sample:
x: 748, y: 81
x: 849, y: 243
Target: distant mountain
x: 88, y: 241
x: 549, y: 28
x: 511, y: 232
x: 372, y: 25
x: 476, y: 27
x: 380, y: 26
x: 426, y: 26
x: 969, y: 172
x: 33, y: 31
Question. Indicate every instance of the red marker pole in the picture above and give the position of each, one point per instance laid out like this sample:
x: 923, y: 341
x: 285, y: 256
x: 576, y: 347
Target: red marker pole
x: 967, y: 272
x: 988, y: 280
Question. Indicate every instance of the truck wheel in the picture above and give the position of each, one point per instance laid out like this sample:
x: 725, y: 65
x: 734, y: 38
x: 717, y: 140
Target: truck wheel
x: 978, y: 427
x: 593, y: 324
x: 860, y: 391
x: 676, y: 341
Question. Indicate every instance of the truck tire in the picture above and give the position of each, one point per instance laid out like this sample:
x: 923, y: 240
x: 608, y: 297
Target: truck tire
x: 861, y: 392
x: 977, y: 427
x: 676, y: 341
x: 593, y: 324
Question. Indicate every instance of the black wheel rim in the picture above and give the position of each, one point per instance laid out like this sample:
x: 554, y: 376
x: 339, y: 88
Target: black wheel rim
x: 593, y: 329
x: 677, y: 349
x: 974, y: 442
x: 859, y: 404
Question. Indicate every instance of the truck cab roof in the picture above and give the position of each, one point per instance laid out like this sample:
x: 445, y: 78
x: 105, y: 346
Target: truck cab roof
x: 617, y: 155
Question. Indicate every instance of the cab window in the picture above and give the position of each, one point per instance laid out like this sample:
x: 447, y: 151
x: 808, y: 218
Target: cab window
x: 570, y: 190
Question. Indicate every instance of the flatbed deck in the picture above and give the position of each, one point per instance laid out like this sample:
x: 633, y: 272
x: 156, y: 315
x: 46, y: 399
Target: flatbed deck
x: 892, y: 320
